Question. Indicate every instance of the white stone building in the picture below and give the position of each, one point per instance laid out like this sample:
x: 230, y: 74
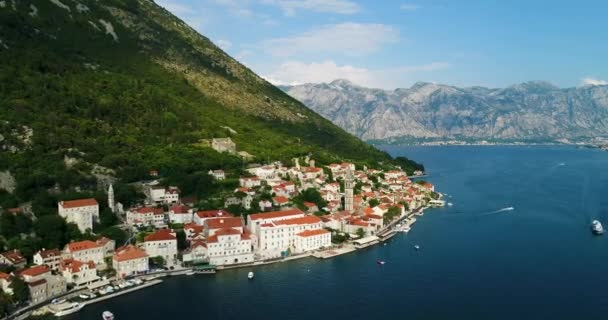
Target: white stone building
x: 146, y: 216
x: 85, y: 251
x: 78, y: 273
x: 162, y: 243
x: 180, y: 214
x: 50, y: 258
x: 201, y: 216
x: 309, y: 240
x: 130, y: 260
x: 161, y: 194
x: 82, y: 212
x: 229, y: 246
x: 223, y: 145
x: 254, y: 221
x: 217, y: 174
x: 42, y: 284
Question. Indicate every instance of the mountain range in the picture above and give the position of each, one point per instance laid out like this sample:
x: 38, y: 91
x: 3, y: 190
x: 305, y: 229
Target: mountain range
x: 533, y: 111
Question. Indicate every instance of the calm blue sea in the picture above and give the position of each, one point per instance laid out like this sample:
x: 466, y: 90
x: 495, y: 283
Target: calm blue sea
x: 538, y: 261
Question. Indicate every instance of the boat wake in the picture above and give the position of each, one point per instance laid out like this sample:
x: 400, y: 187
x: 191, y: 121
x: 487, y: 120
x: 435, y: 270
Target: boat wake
x: 507, y: 209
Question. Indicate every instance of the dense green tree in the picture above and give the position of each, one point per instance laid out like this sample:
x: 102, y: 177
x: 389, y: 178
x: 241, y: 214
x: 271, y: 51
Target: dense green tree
x: 115, y: 233
x: 374, y: 202
x: 392, y: 213
x: 21, y: 292
x: 360, y: 233
x: 182, y: 243
x: 52, y: 230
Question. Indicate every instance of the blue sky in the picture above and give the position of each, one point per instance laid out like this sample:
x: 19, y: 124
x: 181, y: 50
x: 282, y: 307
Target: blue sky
x: 393, y: 44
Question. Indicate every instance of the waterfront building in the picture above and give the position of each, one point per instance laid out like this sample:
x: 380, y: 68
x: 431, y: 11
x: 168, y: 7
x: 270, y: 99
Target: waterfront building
x: 13, y: 258
x: 130, y: 260
x: 85, y: 251
x: 255, y: 220
x: 309, y: 240
x: 230, y: 246
x: 278, y: 237
x: 78, y: 273
x: 162, y: 243
x: 211, y: 226
x: 197, y: 253
x: 42, y: 284
x: 82, y: 212
x: 50, y: 258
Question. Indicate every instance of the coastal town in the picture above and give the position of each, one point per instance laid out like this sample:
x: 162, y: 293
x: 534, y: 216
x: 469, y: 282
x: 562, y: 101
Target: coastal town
x: 303, y: 211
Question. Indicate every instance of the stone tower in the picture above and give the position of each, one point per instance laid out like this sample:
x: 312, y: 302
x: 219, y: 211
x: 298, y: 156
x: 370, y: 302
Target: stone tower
x: 349, y: 189
x: 111, y: 201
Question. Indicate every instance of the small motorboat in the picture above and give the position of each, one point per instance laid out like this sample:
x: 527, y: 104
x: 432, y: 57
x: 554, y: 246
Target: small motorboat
x: 380, y: 262
x: 596, y: 227
x: 189, y: 273
x: 417, y: 247
x: 107, y: 315
x: 250, y: 275
x: 64, y: 308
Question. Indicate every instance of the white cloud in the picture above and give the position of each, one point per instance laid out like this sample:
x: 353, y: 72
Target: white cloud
x: 594, y: 82
x: 175, y: 8
x: 236, y: 7
x: 243, y: 54
x: 409, y: 7
x: 224, y: 44
x: 353, y: 39
x: 290, y: 7
x: 295, y: 72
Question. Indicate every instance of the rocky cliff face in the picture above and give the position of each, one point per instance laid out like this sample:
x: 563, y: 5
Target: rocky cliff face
x: 531, y: 111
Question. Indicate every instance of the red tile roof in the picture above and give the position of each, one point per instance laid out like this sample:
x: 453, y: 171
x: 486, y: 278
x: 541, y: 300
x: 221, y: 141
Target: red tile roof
x: 213, y: 214
x: 221, y: 223
x: 35, y: 271
x: 161, y: 235
x: 180, y: 209
x: 81, y: 245
x: 280, y: 199
x: 276, y: 214
x: 129, y: 252
x: 311, y: 233
x: 74, y: 265
x: 149, y: 210
x: 13, y: 256
x: 78, y: 203
x: 227, y: 232
x: 103, y: 241
x: 36, y: 283
x: 301, y: 220
x: 5, y: 276
x: 310, y: 204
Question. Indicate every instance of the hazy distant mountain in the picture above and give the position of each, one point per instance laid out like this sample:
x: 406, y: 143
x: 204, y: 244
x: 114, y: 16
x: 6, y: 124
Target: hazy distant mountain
x: 531, y: 111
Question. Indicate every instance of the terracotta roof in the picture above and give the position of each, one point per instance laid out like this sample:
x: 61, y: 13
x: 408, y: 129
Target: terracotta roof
x: 360, y: 223
x: 35, y: 271
x: 103, y: 241
x: 309, y: 204
x: 280, y: 199
x: 301, y: 220
x: 227, y: 232
x: 180, y: 209
x: 276, y: 214
x: 193, y: 226
x: 373, y: 216
x: 5, y: 276
x: 49, y: 253
x: 36, y: 283
x: 213, y: 214
x: 311, y: 233
x: 149, y: 210
x: 13, y: 256
x: 74, y: 265
x: 221, y: 223
x: 129, y: 252
x: 81, y: 245
x: 161, y: 235
x: 78, y: 203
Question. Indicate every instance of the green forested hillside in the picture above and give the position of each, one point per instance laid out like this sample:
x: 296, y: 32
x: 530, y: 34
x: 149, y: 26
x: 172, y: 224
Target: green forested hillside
x: 126, y: 85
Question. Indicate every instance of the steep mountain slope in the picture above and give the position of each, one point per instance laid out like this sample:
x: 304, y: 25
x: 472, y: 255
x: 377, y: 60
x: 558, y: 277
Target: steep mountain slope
x: 532, y: 111
x: 126, y: 85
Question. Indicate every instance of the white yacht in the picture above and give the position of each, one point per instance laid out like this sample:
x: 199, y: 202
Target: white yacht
x: 250, y: 275
x: 596, y: 227
x: 107, y: 315
x: 65, y: 308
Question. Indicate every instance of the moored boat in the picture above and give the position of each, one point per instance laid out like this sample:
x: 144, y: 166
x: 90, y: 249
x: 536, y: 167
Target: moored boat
x: 65, y: 308
x: 596, y: 227
x: 250, y: 275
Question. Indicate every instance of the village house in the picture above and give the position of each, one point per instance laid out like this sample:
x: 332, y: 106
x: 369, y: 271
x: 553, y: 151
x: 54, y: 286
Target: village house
x: 85, y: 251
x: 13, y: 258
x: 51, y: 258
x: 107, y: 245
x: 264, y: 172
x: 162, y: 243
x: 311, y: 207
x: 42, y: 284
x: 130, y: 260
x: 265, y: 205
x: 250, y: 182
x: 78, y: 273
x: 160, y: 194
x: 280, y: 201
x: 211, y: 226
x: 255, y: 220
x: 223, y: 145
x: 146, y: 216
x: 193, y: 231
x: 82, y: 212
x: 180, y: 214
x: 217, y: 174
x: 201, y: 216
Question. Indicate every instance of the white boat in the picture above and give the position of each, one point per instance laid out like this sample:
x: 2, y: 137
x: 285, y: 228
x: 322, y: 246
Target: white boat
x: 437, y: 203
x: 189, y: 273
x: 596, y: 227
x: 107, y: 315
x: 250, y: 275
x: 65, y: 308
x: 417, y: 247
x: 83, y: 296
x: 450, y: 204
